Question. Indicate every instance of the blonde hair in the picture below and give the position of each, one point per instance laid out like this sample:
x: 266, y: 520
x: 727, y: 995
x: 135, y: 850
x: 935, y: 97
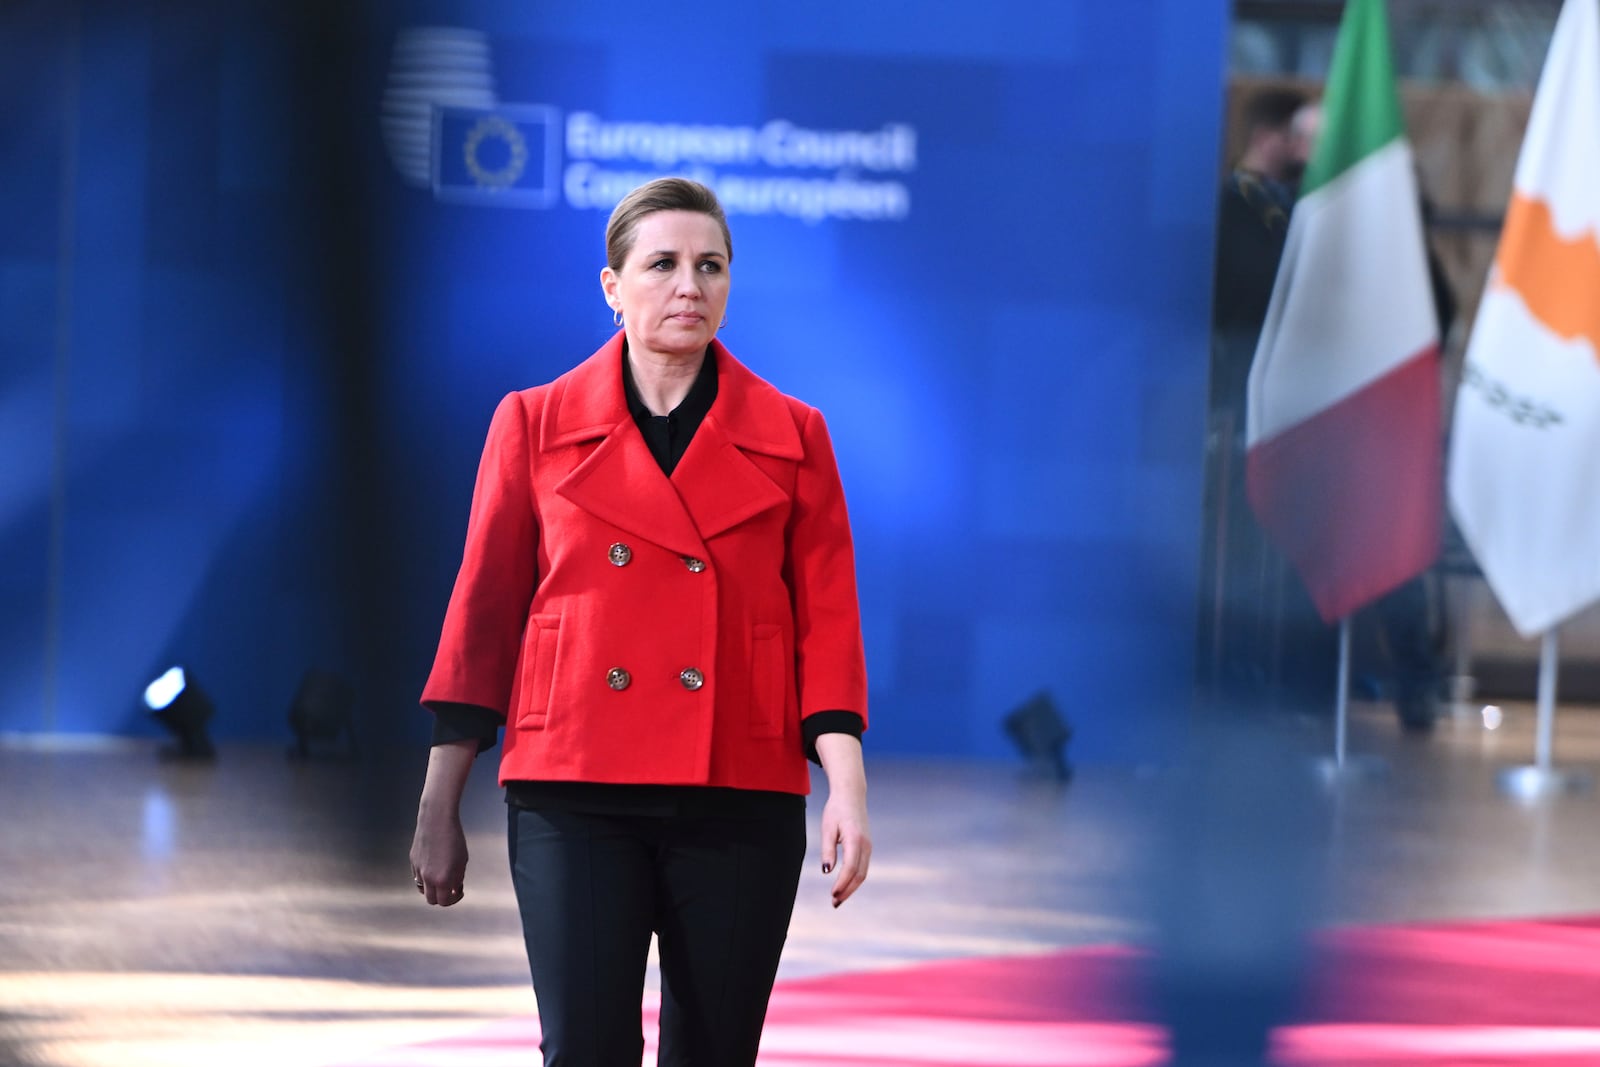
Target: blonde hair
x: 663, y: 194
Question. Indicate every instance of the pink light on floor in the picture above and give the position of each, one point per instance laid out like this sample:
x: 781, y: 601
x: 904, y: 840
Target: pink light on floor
x: 1500, y: 994
x: 1382, y: 1045
x: 845, y: 1038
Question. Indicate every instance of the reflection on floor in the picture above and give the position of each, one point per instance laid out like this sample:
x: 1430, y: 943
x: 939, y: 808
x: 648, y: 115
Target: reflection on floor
x: 260, y: 912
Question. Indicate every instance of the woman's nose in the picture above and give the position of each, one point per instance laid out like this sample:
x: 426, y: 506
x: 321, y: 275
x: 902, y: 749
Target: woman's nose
x: 689, y: 283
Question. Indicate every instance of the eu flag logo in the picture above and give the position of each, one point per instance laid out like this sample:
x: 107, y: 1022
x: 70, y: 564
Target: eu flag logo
x: 505, y: 157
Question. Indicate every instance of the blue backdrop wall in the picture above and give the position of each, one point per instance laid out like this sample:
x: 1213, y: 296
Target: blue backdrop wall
x: 263, y: 279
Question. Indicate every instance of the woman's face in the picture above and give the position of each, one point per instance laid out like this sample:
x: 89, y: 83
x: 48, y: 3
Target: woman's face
x: 673, y: 288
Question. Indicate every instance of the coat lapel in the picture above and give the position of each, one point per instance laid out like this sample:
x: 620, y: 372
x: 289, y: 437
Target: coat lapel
x: 714, y: 487
x: 587, y: 401
x: 620, y: 481
x: 718, y: 483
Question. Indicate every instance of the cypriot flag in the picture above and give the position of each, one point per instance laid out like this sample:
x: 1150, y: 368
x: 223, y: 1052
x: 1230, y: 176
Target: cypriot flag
x: 1525, y: 450
x: 1344, y: 461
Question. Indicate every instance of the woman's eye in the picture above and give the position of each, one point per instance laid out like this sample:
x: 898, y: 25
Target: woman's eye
x: 711, y: 266
x: 661, y: 264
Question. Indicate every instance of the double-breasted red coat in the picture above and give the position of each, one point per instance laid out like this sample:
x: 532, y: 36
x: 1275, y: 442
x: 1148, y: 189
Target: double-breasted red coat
x: 637, y: 628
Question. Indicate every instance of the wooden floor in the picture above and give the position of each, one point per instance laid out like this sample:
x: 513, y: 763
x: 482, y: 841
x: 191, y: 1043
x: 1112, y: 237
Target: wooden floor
x: 258, y: 911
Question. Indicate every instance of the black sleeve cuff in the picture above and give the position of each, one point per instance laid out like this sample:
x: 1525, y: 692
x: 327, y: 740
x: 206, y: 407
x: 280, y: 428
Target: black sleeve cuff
x: 829, y: 722
x: 465, y: 722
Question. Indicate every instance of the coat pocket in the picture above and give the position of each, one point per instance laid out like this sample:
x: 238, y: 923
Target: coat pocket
x: 538, y: 670
x: 769, y: 681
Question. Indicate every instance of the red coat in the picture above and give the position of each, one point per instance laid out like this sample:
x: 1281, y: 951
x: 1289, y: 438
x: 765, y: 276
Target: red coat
x: 638, y: 628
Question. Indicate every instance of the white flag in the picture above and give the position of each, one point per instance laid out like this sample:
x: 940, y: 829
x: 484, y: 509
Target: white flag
x: 1525, y: 451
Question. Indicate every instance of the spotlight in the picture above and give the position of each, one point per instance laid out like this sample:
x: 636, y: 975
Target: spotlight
x: 320, y: 713
x: 178, y: 703
x: 1041, y: 735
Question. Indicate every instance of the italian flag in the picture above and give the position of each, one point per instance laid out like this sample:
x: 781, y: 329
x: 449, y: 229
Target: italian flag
x: 1344, y: 463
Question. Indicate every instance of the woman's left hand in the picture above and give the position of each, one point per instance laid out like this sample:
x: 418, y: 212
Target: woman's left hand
x: 844, y: 830
x: 846, y: 838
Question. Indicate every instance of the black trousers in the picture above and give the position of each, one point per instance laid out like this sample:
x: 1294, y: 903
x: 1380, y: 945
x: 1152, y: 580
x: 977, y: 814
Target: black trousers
x: 716, y: 891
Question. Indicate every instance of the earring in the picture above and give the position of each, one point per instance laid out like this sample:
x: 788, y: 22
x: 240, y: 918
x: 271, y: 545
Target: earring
x: 616, y: 316
x: 724, y: 324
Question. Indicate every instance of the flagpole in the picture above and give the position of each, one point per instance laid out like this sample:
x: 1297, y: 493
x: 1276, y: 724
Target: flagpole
x: 1342, y: 767
x: 1341, y: 708
x: 1545, y: 741
x: 1542, y: 779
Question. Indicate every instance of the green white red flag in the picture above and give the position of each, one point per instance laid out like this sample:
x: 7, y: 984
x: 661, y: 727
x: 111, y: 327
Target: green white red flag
x: 1344, y: 461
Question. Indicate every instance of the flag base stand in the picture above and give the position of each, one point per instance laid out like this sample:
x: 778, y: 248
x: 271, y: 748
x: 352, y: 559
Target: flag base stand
x: 1462, y: 688
x: 1541, y: 779
x: 1342, y: 767
x: 1353, y: 769
x: 1535, y: 783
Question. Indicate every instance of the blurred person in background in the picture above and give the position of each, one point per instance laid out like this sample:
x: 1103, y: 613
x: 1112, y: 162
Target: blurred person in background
x: 1242, y: 641
x: 1303, y: 130
x: 657, y: 601
x: 1252, y: 223
x: 1408, y: 621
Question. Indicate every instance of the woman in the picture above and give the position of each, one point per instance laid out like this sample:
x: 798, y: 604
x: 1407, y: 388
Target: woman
x: 657, y: 601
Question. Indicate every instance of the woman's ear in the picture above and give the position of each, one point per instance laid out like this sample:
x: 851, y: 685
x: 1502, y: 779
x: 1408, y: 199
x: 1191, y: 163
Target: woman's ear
x: 608, y: 285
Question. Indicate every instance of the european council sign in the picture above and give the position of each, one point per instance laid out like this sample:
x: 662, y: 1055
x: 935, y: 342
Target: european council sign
x: 504, y: 157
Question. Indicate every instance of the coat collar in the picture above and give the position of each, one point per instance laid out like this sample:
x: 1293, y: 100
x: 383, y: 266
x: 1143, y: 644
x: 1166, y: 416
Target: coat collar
x: 715, y: 486
x: 589, y: 403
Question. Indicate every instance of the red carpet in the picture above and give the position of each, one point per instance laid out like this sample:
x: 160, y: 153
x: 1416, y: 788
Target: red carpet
x: 1466, y: 995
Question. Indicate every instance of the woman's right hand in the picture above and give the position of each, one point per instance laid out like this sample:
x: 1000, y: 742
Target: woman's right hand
x: 439, y: 857
x: 439, y: 847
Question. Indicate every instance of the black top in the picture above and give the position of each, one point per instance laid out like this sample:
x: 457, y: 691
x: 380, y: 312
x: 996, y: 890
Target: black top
x: 1252, y: 225
x: 668, y: 437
